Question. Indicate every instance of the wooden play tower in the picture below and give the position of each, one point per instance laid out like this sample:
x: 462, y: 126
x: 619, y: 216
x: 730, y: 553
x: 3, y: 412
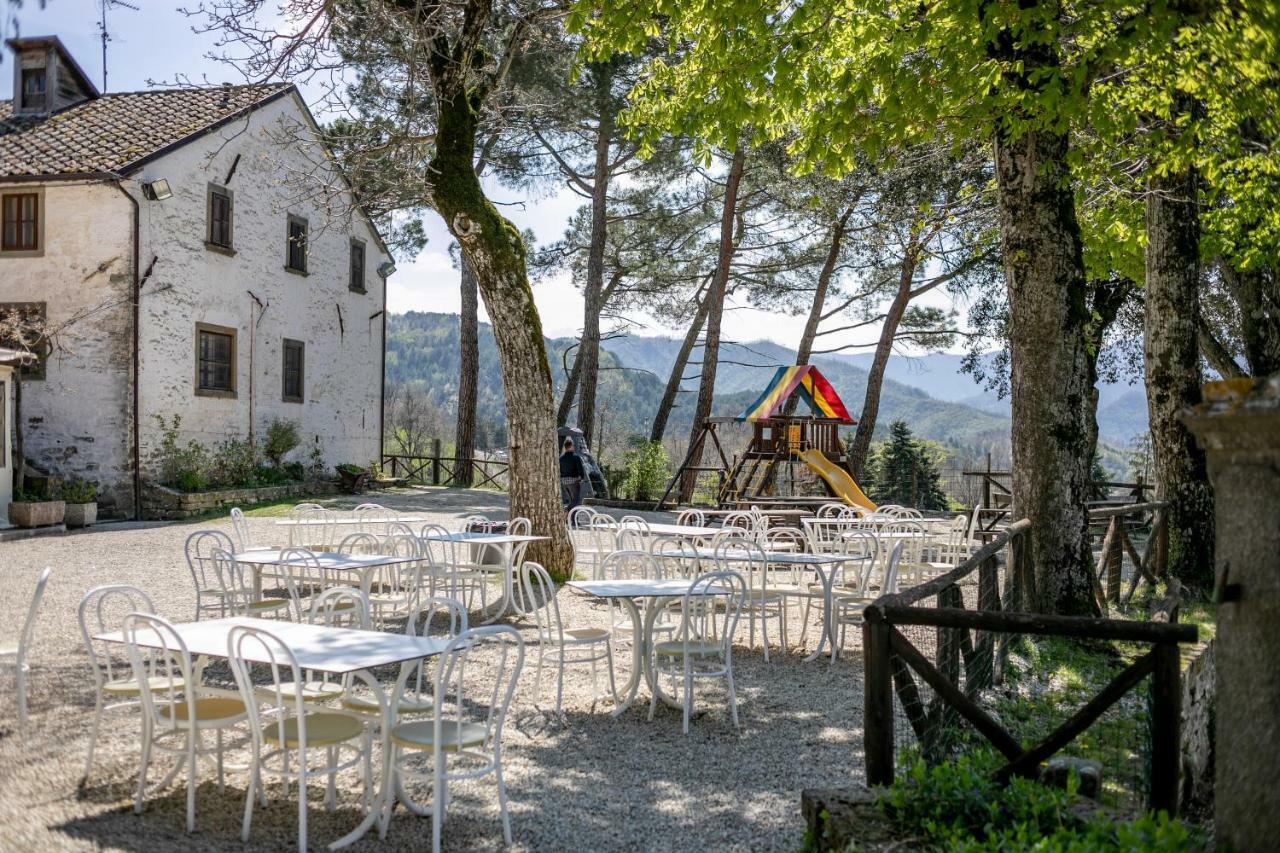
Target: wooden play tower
x: 777, y: 439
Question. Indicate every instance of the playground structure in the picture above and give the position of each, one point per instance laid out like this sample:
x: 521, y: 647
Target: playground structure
x: 777, y: 439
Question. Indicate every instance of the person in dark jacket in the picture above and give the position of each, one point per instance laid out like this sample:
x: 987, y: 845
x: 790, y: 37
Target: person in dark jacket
x: 572, y: 473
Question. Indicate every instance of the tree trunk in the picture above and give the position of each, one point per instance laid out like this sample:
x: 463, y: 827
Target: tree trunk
x: 468, y: 376
x: 665, y: 405
x: 1048, y: 316
x: 589, y: 350
x: 570, y: 392
x: 805, y: 350
x: 715, y: 310
x: 1258, y: 292
x: 494, y: 250
x: 861, y: 445
x: 1172, y: 362
x: 1108, y: 297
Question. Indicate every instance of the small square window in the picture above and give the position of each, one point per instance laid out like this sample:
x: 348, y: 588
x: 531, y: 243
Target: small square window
x: 21, y: 222
x: 215, y: 361
x: 220, y: 218
x: 34, y: 96
x: 296, y: 245
x: 356, y: 282
x: 292, y: 374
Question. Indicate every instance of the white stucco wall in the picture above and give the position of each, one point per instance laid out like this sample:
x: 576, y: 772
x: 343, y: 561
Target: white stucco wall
x: 191, y: 283
x: 76, y: 421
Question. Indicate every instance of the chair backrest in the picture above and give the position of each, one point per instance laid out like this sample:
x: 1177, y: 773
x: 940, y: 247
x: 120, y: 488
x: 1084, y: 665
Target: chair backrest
x: 164, y: 664
x: 492, y: 685
x: 635, y: 522
x: 700, y: 623
x: 431, y: 612
x: 520, y: 526
x: 826, y: 535
x: 579, y: 517
x: 319, y: 531
x: 199, y: 550
x: 744, y: 520
x: 373, y: 518
x: 397, y: 528
x: 101, y: 611
x: 234, y: 578
x: 692, y: 518
x: 340, y: 607
x: 630, y: 539
x: 240, y: 525
x: 302, y: 509
x: 864, y: 545
x: 890, y: 585
x: 400, y: 575
x: 262, y: 664
x: 830, y: 510
x: 303, y: 576
x: 473, y: 522
x: 631, y: 565
x: 358, y: 543
x: 911, y: 535
x: 678, y: 557
x: 744, y: 557
x: 785, y: 539
x: 540, y: 598
x: 441, y: 553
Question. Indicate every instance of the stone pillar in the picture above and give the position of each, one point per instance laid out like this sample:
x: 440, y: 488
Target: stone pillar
x: 1239, y: 427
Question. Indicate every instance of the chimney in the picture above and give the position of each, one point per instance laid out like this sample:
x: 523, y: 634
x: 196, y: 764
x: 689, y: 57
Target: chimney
x: 45, y: 77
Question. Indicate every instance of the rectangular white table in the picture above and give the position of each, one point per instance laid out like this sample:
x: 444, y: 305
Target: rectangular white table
x: 625, y: 592
x: 337, y: 651
x: 502, y: 544
x: 674, y: 531
x: 362, y: 566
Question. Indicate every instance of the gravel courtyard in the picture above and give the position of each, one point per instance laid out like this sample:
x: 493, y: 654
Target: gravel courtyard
x: 589, y: 782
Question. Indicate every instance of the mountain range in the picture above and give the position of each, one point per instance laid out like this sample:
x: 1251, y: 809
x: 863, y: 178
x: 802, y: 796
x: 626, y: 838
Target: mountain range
x: 930, y: 393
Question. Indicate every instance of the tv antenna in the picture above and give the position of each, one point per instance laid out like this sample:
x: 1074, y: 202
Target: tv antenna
x: 104, y: 6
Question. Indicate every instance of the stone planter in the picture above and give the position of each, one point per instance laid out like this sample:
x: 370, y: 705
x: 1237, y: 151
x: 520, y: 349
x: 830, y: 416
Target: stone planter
x: 36, y: 513
x: 81, y: 515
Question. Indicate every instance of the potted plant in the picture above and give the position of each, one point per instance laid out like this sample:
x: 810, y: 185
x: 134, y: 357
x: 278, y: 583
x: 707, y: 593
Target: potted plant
x: 32, y: 510
x: 352, y: 478
x: 81, y: 498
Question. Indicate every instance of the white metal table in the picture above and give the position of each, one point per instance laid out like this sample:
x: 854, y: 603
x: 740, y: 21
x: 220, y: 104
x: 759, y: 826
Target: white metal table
x: 672, y: 531
x: 504, y: 544
x: 363, y: 566
x: 625, y: 592
x: 335, y: 651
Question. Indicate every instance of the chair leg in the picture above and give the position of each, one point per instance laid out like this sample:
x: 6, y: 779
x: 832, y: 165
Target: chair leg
x: 222, y: 786
x: 437, y: 800
x: 733, y: 697
x: 688, y: 693
x: 22, y: 697
x: 302, y: 800
x: 331, y: 788
x: 255, y: 783
x: 193, y: 735
x: 537, y: 678
x: 93, y: 734
x: 560, y: 681
x: 502, y: 800
x: 142, y: 766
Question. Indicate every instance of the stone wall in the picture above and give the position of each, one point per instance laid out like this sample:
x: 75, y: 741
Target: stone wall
x: 77, y: 420
x: 163, y: 504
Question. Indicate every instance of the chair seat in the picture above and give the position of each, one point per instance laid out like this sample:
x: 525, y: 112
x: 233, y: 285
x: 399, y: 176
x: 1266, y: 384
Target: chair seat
x: 367, y: 705
x: 699, y: 648
x: 585, y: 635
x: 322, y: 730
x: 387, y: 599
x: 8, y: 650
x: 130, y: 686
x: 421, y: 735
x: 208, y: 710
x: 762, y: 599
x: 266, y: 605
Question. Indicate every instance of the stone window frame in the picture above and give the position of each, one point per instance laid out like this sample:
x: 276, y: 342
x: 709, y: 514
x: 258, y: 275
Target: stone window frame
x: 301, y: 347
x: 41, y: 222
x: 361, y: 285
x: 209, y: 243
x: 226, y: 394
x: 290, y: 221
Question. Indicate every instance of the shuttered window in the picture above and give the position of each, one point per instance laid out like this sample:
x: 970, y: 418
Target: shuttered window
x: 215, y: 361
x: 296, y: 249
x: 220, y: 208
x: 21, y: 215
x: 356, y: 282
x: 294, y: 365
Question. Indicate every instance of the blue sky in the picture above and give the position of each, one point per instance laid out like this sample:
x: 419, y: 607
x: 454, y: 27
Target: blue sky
x: 157, y: 43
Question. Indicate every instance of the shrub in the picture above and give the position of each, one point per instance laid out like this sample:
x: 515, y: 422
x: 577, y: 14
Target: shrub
x: 282, y: 437
x: 79, y: 492
x: 349, y: 469
x: 182, y: 467
x: 646, y: 465
x: 959, y: 806
x: 315, y: 463
x: 294, y: 471
x: 235, y: 463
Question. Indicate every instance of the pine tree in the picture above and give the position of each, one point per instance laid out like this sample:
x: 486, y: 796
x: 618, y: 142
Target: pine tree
x: 902, y: 472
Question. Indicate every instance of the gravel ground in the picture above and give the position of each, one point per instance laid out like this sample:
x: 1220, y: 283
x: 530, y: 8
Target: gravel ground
x: 587, y: 782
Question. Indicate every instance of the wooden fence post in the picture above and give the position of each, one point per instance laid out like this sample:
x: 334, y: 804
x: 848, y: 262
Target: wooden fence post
x: 877, y: 723
x: 1114, y: 559
x: 1166, y: 714
x: 435, y: 461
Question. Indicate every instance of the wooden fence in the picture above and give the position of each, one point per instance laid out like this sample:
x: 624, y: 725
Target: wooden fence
x: 972, y: 647
x: 437, y: 470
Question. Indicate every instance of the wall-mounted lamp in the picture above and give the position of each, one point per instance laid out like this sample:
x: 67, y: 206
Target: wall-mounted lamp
x: 386, y: 269
x: 157, y: 190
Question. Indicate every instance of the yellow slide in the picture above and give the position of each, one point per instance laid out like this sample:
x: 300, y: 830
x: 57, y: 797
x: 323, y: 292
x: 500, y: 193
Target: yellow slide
x: 837, y: 478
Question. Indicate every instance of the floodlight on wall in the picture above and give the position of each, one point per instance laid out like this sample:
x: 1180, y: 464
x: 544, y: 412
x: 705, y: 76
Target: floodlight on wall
x: 157, y: 190
x: 386, y: 269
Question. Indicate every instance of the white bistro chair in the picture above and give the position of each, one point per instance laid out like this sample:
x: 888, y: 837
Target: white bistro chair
x: 16, y: 655
x: 567, y: 645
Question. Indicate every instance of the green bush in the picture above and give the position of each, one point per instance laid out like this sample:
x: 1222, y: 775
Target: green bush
x: 183, y: 467
x: 235, y: 463
x: 79, y: 492
x: 959, y: 806
x: 315, y: 463
x: 294, y: 471
x: 646, y: 467
x: 282, y: 437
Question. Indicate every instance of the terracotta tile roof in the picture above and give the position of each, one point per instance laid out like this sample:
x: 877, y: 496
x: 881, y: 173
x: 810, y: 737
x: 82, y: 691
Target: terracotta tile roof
x: 118, y: 132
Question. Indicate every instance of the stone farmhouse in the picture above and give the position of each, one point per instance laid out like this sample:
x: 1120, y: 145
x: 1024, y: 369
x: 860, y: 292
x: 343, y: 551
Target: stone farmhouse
x: 165, y: 232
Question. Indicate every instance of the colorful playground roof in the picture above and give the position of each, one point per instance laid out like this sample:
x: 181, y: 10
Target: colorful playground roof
x: 811, y: 385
